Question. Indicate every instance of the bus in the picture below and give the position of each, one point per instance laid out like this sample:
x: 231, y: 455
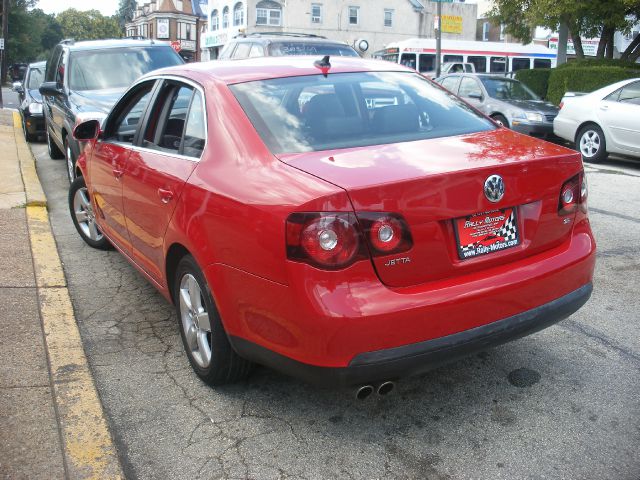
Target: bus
x: 487, y: 57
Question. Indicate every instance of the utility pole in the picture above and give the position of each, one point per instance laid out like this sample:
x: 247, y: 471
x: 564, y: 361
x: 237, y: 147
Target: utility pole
x: 438, y: 37
x: 5, y: 34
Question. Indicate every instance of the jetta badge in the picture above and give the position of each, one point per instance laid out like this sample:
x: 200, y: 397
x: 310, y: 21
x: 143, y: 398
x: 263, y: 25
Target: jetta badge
x: 494, y: 188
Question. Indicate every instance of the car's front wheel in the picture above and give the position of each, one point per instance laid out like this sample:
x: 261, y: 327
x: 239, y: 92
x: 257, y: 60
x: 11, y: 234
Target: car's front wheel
x: 203, y: 334
x: 84, y: 217
x: 54, y: 152
x: 501, y: 120
x: 590, y: 142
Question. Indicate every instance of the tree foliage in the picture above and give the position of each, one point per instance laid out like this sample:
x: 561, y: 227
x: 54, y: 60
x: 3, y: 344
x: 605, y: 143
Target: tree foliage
x: 88, y: 25
x: 584, y: 18
x: 125, y: 13
x: 32, y: 33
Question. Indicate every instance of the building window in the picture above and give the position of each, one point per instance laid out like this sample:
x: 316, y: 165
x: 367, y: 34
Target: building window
x: 354, y: 14
x: 268, y: 12
x: 502, y: 27
x: 225, y: 17
x: 215, y: 21
x: 238, y: 14
x: 185, y: 31
x: 179, y: 5
x: 316, y: 13
x: 485, y: 31
x: 388, y: 17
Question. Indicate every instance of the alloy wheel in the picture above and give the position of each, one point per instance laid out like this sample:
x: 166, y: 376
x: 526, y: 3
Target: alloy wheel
x: 589, y: 143
x: 195, y: 321
x: 85, y: 217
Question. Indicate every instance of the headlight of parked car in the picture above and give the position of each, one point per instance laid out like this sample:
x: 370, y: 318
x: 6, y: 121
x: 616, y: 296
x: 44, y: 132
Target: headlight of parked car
x: 35, y: 108
x: 534, y: 117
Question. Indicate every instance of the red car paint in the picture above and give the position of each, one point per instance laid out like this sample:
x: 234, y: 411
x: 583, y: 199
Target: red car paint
x: 229, y: 211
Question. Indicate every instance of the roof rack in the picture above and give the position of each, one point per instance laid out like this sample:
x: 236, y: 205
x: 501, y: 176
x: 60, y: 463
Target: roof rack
x: 68, y: 41
x: 282, y: 34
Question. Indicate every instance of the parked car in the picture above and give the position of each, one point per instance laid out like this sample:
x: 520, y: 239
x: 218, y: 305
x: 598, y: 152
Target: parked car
x: 31, y: 101
x: 90, y: 76
x: 508, y: 101
x: 277, y: 44
x: 449, y: 67
x: 602, y: 122
x: 297, y: 225
x: 17, y: 71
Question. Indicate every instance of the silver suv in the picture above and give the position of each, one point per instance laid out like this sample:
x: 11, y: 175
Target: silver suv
x: 275, y: 44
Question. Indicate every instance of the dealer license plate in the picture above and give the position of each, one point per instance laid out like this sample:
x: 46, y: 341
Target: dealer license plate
x: 487, y: 232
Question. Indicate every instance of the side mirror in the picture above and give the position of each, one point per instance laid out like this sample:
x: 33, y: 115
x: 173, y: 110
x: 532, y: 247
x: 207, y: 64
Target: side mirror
x: 17, y: 87
x: 89, y: 130
x: 477, y: 96
x: 50, y: 88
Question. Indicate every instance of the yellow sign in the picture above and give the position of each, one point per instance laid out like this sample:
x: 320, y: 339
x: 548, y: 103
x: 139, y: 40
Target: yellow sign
x: 452, y: 23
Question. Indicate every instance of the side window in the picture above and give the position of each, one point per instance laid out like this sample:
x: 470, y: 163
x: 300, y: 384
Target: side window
x: 469, y: 87
x: 60, y: 68
x: 256, y: 50
x: 479, y: 62
x: 242, y: 50
x: 408, y: 60
x: 128, y: 113
x: 450, y: 83
x: 427, y: 62
x: 541, y: 63
x: 630, y: 94
x: 498, y: 64
x: 520, y: 64
x: 52, y: 65
x: 452, y: 58
x: 195, y: 132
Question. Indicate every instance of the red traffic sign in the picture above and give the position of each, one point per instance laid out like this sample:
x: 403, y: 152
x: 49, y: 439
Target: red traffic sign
x: 176, y: 46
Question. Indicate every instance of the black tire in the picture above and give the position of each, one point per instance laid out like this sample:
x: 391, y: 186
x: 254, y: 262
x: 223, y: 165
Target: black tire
x: 591, y: 144
x: 29, y: 137
x: 54, y: 152
x: 70, y: 161
x: 225, y: 365
x: 501, y: 119
x: 83, y: 218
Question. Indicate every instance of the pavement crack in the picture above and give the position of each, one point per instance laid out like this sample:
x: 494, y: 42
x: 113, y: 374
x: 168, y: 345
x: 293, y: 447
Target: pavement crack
x: 599, y: 337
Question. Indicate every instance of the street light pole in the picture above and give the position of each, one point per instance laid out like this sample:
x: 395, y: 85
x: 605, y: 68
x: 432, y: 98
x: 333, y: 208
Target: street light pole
x: 438, y: 37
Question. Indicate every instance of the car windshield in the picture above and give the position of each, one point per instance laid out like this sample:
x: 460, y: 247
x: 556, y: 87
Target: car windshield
x: 116, y: 68
x: 36, y: 77
x: 278, y: 49
x: 507, y: 89
x: 344, y: 110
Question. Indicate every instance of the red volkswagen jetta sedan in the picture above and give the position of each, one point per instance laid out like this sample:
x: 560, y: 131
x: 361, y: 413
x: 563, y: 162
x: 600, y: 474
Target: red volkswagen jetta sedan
x: 340, y: 220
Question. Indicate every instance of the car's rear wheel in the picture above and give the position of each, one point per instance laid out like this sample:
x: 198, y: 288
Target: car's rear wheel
x: 501, y: 120
x: 54, y: 152
x: 83, y: 216
x: 590, y: 142
x: 71, y: 164
x: 203, y: 334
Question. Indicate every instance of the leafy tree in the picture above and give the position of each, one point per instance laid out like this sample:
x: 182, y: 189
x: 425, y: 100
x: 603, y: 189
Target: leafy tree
x: 31, y: 32
x: 125, y: 12
x: 589, y: 18
x: 88, y: 25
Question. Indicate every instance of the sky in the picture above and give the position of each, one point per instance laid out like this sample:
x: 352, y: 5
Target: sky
x: 106, y: 7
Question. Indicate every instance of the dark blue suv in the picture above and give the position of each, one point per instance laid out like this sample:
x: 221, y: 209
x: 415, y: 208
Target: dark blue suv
x: 89, y: 77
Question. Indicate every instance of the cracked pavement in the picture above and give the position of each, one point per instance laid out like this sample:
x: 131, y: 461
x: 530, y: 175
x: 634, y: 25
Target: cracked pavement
x: 563, y: 403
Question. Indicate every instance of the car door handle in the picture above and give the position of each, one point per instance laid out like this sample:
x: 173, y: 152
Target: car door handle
x: 604, y: 107
x: 118, y: 173
x: 165, y: 195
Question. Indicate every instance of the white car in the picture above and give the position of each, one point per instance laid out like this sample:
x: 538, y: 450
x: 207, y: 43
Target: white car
x: 602, y: 122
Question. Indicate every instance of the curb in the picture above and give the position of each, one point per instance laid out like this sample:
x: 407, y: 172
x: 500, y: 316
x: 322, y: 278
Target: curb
x: 88, y: 448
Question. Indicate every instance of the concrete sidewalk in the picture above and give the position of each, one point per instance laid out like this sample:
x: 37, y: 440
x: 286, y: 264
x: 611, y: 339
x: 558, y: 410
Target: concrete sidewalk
x: 51, y: 420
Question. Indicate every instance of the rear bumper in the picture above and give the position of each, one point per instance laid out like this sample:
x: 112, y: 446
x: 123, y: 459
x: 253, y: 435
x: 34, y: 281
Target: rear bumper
x: 542, y: 130
x: 419, y: 357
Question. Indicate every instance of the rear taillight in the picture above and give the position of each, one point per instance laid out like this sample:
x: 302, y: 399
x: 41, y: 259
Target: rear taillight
x: 561, y: 105
x: 573, y: 194
x: 332, y: 241
x: 326, y: 240
x: 387, y: 233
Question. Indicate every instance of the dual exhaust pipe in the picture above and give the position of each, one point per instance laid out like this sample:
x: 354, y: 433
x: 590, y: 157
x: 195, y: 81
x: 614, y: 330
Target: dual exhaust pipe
x: 382, y: 389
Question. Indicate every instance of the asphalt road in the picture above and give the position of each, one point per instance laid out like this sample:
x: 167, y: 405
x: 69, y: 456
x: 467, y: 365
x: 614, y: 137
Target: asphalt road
x: 9, y: 98
x: 563, y: 403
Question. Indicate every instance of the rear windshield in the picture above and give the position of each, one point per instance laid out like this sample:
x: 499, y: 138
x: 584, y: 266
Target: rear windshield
x: 36, y: 77
x: 117, y: 67
x: 311, y: 113
x: 278, y: 49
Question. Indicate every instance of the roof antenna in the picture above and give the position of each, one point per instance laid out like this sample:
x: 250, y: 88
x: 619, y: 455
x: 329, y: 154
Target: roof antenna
x: 323, y: 65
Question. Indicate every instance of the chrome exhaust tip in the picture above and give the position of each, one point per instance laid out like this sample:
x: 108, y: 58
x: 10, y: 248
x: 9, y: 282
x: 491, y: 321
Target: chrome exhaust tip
x: 364, y: 391
x: 385, y: 388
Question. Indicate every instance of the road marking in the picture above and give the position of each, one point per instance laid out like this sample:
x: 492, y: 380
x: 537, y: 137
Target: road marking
x: 89, y: 452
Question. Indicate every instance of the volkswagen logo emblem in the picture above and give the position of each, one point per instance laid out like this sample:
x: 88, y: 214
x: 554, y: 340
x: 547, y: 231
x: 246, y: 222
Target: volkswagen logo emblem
x: 494, y: 188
